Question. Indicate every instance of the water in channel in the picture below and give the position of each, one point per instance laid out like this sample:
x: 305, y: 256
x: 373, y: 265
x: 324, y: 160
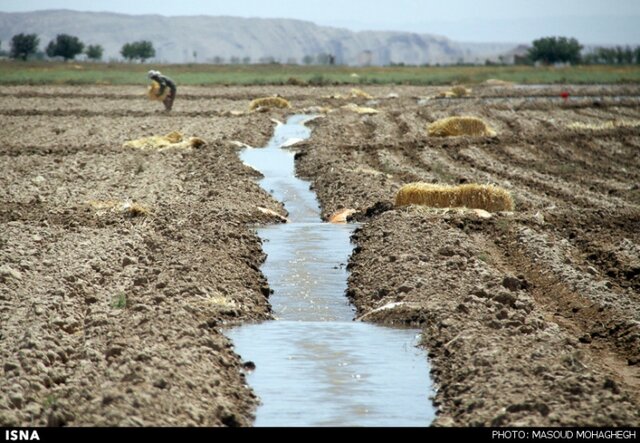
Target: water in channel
x: 315, y: 366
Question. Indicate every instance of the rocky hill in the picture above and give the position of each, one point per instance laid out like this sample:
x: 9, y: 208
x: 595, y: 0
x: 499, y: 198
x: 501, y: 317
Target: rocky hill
x: 208, y: 39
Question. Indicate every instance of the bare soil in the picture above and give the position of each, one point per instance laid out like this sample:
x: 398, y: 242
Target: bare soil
x: 530, y: 318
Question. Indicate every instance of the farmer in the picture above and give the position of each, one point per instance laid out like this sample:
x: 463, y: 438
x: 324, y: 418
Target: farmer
x: 164, y: 82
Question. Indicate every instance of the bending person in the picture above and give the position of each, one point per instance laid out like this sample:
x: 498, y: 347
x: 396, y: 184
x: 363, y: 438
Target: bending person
x: 167, y: 88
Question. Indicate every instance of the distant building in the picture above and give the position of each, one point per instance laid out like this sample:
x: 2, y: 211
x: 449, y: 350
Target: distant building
x: 518, y: 55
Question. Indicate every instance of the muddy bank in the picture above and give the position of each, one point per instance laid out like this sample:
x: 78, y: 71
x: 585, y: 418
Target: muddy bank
x: 113, y: 318
x: 530, y: 318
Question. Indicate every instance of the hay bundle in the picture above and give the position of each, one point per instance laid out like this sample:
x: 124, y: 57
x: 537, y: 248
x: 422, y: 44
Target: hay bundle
x: 104, y: 205
x: 359, y: 93
x: 317, y: 110
x: 354, y: 93
x: 488, y: 197
x: 126, y: 208
x: 498, y: 82
x: 269, y: 102
x: 456, y: 91
x: 273, y: 214
x: 154, y: 91
x: 460, y: 91
x: 341, y: 216
x: 233, y: 113
x: 135, y: 210
x: 360, y: 109
x: 612, y: 124
x: 197, y: 142
x: 173, y: 139
x: 457, y: 126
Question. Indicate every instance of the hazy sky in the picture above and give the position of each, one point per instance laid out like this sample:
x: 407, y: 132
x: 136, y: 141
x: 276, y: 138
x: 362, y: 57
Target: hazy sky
x: 591, y: 21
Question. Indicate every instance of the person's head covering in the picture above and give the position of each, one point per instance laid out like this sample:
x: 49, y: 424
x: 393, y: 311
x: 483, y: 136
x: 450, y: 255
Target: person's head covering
x: 153, y: 73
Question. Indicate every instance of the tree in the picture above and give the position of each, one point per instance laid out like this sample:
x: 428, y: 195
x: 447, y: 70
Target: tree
x: 605, y: 55
x: 613, y: 56
x: 94, y: 52
x: 24, y: 45
x: 128, y: 51
x: 307, y: 60
x: 551, y: 50
x: 65, y: 46
x: 141, y: 50
x: 624, y: 55
x: 145, y: 50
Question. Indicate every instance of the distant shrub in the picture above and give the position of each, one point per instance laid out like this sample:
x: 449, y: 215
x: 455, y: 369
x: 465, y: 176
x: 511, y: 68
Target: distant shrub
x: 94, y: 52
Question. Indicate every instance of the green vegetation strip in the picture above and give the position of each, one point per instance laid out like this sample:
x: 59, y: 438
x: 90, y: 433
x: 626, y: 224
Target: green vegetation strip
x: 81, y: 73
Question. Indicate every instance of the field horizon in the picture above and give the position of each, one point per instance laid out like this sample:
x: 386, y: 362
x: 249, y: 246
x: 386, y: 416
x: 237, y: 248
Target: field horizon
x: 84, y: 73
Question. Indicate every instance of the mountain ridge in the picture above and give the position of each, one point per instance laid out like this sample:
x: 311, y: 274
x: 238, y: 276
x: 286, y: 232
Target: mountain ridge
x: 204, y: 38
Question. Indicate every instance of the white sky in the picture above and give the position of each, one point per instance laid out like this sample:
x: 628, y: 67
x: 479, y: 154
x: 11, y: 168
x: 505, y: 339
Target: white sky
x: 591, y: 21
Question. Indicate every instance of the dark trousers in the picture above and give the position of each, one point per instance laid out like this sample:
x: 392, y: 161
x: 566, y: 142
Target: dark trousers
x: 168, y: 101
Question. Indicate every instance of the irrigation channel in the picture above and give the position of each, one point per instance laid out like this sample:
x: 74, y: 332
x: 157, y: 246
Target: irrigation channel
x: 315, y: 366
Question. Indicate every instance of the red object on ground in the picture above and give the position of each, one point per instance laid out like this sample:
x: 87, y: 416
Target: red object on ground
x: 564, y: 95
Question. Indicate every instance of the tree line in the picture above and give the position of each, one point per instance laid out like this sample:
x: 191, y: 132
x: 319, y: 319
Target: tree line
x: 551, y: 50
x: 547, y: 50
x: 69, y: 47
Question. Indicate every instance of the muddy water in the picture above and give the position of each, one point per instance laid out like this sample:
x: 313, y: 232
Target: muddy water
x: 314, y: 365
